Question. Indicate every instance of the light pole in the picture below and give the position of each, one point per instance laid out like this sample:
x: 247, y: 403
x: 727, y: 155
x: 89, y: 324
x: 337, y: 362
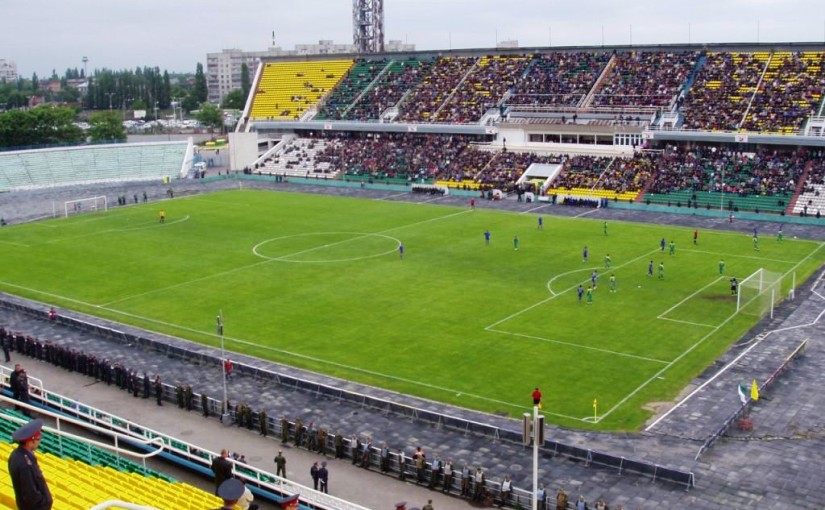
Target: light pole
x: 110, y: 94
x: 219, y: 327
x: 534, y: 431
x: 536, y: 434
x: 125, y: 100
x: 720, y: 169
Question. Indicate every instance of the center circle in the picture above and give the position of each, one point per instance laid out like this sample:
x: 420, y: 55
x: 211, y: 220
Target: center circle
x: 326, y: 247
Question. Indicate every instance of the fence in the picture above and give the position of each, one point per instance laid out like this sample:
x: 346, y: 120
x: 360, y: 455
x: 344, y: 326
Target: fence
x: 743, y: 409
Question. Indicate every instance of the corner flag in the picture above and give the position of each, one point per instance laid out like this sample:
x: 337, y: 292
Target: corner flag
x: 743, y: 393
x: 754, y: 391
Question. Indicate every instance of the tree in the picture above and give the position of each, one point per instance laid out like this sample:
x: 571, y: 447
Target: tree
x: 106, y: 126
x: 210, y: 116
x: 201, y: 92
x: 166, y: 91
x: 234, y: 100
x: 68, y: 95
x: 246, y: 84
x: 35, y: 82
x: 189, y: 102
x: 43, y: 125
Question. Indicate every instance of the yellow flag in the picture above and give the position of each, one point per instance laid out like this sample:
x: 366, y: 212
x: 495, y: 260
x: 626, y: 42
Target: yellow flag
x: 595, y: 403
x: 754, y: 391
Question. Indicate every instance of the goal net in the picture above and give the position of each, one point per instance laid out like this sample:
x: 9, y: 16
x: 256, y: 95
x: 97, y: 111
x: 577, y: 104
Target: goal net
x: 758, y: 293
x: 85, y: 205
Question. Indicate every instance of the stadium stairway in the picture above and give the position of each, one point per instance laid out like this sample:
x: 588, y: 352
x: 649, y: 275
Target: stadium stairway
x: 800, y: 187
x: 700, y: 63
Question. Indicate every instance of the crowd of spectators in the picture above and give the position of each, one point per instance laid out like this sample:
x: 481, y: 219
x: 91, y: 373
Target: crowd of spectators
x: 414, y: 158
x: 409, y: 156
x: 580, y: 172
x: 645, y: 79
x: 559, y: 79
x: 728, y: 94
x: 791, y: 89
x: 507, y: 167
x: 459, y: 161
x: 391, y: 86
x: 484, y: 87
x: 766, y: 172
x: 350, y: 87
x: 620, y: 175
x: 723, y: 88
x: 427, y: 97
x: 816, y: 173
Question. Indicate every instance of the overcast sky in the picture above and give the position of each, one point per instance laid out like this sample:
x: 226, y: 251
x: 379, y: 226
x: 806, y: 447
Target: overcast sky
x: 41, y: 35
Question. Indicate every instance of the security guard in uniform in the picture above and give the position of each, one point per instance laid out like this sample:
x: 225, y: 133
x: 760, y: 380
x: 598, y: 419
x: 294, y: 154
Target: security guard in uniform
x: 30, y: 489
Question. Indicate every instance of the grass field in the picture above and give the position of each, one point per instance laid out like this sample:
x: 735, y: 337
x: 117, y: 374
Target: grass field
x: 317, y: 282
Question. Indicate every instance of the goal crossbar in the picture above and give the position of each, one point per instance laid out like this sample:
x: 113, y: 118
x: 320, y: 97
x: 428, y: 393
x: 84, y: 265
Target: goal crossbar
x: 84, y: 205
x: 758, y: 293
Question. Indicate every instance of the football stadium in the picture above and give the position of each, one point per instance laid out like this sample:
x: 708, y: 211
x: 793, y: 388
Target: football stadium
x: 521, y: 277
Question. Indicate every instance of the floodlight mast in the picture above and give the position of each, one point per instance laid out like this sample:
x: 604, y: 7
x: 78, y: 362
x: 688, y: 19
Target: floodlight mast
x: 368, y: 26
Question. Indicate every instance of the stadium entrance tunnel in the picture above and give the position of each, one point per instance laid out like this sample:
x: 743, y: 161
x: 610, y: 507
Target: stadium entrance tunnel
x: 326, y: 247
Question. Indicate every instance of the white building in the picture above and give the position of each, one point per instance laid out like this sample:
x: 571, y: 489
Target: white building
x: 8, y: 70
x: 223, y: 70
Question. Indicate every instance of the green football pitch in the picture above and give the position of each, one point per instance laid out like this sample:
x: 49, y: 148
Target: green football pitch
x: 318, y: 282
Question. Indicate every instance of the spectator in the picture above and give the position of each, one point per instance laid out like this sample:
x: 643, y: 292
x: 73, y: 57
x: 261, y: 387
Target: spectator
x: 222, y: 468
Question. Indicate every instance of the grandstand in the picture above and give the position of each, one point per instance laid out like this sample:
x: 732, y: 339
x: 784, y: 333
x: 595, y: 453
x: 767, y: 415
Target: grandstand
x: 288, y: 90
x: 587, y: 101
x: 31, y: 169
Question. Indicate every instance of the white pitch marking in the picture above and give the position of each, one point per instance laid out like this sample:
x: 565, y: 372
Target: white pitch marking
x: 579, y: 346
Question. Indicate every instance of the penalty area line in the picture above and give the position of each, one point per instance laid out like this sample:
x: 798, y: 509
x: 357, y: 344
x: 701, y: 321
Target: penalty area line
x: 698, y: 324
x: 578, y: 346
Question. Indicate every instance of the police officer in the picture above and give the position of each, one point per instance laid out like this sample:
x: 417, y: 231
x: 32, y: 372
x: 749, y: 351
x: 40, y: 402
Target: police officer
x: 230, y: 491
x: 30, y: 489
x: 284, y: 430
x: 339, y: 445
x: 290, y: 502
x: 280, y: 463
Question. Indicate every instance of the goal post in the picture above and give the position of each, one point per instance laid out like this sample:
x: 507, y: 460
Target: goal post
x: 758, y: 293
x: 85, y: 205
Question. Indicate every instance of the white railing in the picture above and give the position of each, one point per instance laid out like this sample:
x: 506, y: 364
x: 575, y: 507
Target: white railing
x: 117, y: 437
x: 815, y: 126
x: 121, y: 429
